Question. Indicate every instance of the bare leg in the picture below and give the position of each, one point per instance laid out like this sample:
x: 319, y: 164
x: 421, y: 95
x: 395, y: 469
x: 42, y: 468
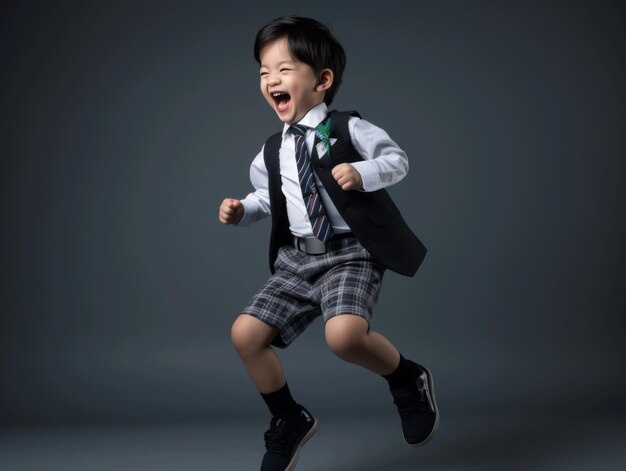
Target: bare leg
x: 348, y: 338
x: 251, y: 338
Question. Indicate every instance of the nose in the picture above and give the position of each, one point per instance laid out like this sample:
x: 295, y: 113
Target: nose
x: 273, y: 79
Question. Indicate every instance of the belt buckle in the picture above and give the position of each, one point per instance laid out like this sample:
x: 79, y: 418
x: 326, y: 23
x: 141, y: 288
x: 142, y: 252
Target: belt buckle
x: 312, y: 245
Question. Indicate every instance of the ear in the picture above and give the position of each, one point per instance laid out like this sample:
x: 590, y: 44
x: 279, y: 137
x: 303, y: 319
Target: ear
x: 325, y: 80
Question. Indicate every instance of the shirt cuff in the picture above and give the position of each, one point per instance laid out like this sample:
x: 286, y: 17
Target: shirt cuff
x: 369, y: 175
x: 248, y: 210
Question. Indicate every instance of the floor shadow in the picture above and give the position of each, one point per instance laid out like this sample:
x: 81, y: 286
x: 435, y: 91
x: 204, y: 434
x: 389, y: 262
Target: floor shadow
x: 493, y: 442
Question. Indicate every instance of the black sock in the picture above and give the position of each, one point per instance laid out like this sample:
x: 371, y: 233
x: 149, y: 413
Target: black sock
x: 281, y: 404
x: 404, y: 375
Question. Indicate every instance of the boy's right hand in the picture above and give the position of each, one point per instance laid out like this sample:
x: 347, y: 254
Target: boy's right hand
x: 231, y: 211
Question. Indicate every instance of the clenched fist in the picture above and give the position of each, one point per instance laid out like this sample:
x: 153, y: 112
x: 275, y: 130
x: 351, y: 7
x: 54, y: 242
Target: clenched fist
x: 231, y: 211
x: 347, y: 177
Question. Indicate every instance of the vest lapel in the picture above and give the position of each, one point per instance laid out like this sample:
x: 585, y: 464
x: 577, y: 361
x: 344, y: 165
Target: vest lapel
x: 314, y: 156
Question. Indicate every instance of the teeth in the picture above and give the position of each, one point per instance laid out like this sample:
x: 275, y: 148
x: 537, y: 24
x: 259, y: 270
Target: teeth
x: 276, y: 94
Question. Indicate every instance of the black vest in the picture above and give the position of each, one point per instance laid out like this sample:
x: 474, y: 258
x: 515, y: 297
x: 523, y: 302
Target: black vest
x: 372, y: 216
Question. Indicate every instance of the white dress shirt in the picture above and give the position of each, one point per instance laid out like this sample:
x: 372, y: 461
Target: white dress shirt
x: 384, y: 164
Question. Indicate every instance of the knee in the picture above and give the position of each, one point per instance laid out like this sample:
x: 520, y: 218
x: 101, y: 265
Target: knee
x: 247, y: 335
x: 345, y: 335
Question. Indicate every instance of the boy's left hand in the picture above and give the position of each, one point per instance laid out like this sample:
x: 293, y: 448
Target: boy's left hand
x: 347, y: 177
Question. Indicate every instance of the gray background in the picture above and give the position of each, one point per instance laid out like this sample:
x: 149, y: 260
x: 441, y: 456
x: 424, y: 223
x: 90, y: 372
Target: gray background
x: 124, y: 125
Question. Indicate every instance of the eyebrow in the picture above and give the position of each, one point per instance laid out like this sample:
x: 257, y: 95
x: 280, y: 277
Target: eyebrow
x: 279, y: 64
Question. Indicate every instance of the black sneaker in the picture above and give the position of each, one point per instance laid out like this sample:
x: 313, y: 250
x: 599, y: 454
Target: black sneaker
x: 418, y: 408
x: 284, y: 439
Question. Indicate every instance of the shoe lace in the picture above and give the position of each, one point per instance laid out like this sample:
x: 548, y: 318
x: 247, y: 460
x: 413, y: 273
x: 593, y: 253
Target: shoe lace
x: 275, y: 441
x: 404, y: 399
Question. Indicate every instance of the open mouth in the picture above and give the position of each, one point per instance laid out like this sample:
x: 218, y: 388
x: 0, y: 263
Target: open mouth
x: 281, y: 99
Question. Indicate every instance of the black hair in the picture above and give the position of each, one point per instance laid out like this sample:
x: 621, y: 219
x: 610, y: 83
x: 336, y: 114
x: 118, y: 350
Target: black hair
x: 310, y: 42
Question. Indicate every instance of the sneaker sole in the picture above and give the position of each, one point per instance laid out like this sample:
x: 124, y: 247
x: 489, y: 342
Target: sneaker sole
x: 294, y: 459
x: 433, y: 432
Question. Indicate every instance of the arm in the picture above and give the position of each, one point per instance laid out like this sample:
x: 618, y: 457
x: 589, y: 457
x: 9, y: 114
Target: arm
x: 385, y: 163
x: 253, y: 207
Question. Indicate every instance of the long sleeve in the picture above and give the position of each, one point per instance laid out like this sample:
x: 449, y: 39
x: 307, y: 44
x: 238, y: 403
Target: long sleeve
x: 256, y: 205
x: 385, y: 163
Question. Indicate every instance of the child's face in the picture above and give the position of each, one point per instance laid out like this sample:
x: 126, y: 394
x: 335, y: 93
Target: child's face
x: 290, y: 87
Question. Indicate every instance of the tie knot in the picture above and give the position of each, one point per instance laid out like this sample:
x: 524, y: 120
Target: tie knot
x: 298, y: 129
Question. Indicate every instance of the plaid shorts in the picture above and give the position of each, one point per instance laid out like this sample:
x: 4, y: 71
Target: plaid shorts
x: 344, y: 280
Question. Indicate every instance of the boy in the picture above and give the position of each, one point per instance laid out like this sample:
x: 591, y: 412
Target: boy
x: 334, y: 232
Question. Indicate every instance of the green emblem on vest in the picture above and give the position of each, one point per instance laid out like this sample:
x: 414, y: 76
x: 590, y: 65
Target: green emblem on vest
x: 323, y: 132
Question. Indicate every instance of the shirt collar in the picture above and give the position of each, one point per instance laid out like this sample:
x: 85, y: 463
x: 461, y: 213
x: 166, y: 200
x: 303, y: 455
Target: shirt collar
x: 311, y: 120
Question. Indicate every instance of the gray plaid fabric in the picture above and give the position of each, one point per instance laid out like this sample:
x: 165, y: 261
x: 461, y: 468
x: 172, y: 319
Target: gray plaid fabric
x: 345, y: 280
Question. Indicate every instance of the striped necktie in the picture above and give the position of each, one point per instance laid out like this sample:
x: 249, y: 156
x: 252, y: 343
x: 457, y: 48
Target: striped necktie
x: 322, y: 228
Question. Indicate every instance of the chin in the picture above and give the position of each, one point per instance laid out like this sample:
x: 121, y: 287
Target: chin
x: 287, y: 118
